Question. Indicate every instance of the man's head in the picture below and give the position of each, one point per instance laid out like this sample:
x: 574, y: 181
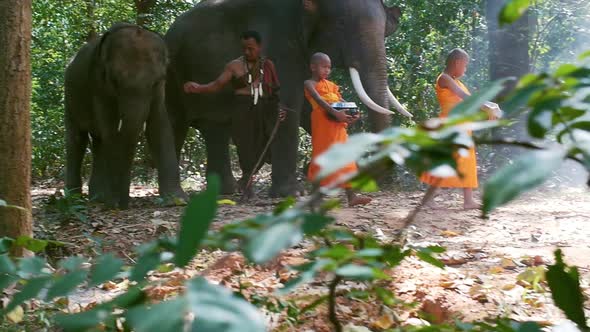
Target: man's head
x: 457, y: 62
x: 251, y: 44
x: 321, y: 65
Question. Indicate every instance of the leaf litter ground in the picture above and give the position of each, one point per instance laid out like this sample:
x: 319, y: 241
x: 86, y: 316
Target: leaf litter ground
x: 494, y: 265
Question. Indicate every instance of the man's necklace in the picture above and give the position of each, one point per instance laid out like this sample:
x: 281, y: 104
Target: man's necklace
x: 255, y: 92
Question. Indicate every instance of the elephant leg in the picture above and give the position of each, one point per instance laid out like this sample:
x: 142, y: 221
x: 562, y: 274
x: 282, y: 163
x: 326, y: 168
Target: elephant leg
x: 180, y: 131
x: 99, y: 184
x: 123, y: 158
x: 305, y: 120
x: 160, y: 142
x: 218, y: 162
x: 76, y: 142
x: 284, y: 150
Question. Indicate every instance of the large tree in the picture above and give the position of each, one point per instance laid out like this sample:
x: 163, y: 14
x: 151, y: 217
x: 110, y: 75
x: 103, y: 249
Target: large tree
x: 509, y: 45
x: 15, y: 132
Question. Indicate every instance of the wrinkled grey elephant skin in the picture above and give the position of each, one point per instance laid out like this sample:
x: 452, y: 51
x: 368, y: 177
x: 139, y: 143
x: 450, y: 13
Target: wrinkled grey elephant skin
x: 204, y: 39
x: 114, y: 90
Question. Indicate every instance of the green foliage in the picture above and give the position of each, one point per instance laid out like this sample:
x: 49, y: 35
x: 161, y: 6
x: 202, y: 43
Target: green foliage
x: 196, y: 221
x: 70, y: 206
x: 564, y: 282
x: 513, y: 10
x: 527, y: 172
x: 558, y: 106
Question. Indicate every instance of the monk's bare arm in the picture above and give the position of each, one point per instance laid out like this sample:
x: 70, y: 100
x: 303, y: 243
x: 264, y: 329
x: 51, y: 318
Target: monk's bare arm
x: 445, y: 81
x: 310, y: 87
x: 212, y: 87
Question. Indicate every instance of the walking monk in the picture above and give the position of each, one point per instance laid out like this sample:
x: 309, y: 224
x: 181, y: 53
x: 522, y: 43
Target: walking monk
x: 328, y: 126
x: 450, y: 91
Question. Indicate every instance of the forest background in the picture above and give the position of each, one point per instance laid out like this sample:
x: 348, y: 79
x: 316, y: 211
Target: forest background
x: 554, y: 32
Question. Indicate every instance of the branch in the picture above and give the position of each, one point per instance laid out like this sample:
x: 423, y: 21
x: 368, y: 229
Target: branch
x: 526, y: 145
x: 332, y: 305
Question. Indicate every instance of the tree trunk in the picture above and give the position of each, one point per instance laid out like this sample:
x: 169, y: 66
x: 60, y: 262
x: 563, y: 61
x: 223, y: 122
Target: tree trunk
x: 143, y: 8
x: 90, y: 6
x: 509, y: 45
x: 15, y: 131
x: 508, y: 57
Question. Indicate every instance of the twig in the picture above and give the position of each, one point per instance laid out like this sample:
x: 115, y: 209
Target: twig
x: 131, y: 259
x: 275, y: 129
x: 332, y: 305
x: 412, y: 216
x: 526, y: 145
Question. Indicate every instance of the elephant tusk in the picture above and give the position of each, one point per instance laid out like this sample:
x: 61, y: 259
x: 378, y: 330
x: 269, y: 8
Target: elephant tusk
x: 120, y: 125
x: 397, y: 104
x: 144, y: 126
x: 360, y: 91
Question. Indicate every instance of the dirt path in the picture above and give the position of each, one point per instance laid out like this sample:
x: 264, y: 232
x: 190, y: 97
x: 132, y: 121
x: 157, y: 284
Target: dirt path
x: 491, y: 261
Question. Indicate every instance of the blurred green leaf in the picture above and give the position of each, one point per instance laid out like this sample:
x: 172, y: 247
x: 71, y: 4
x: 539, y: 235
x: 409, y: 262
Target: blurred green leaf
x: 105, y: 269
x: 582, y: 125
x: 5, y: 244
x: 34, y: 245
x: 31, y: 289
x: 82, y: 321
x: 314, y: 223
x: 284, y: 205
x: 524, y: 174
x: 271, y: 241
x: 513, y: 10
x: 217, y: 309
x: 425, y: 254
x: 31, y: 266
x: 340, y: 155
x: 66, y: 284
x: 564, y: 282
x: 307, y: 271
x: 472, y: 104
x: 540, y: 122
x: 364, y: 183
x: 145, y: 264
x: 196, y: 220
x: 356, y: 272
x: 167, y: 316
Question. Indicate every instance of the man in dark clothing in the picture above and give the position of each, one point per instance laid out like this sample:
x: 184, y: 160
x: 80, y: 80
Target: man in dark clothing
x: 256, y: 103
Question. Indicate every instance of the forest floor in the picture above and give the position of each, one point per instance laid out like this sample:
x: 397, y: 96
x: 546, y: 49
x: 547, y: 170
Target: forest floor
x: 492, y: 263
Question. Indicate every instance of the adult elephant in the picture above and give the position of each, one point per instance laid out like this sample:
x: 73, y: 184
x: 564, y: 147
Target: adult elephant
x: 204, y: 39
x: 114, y: 90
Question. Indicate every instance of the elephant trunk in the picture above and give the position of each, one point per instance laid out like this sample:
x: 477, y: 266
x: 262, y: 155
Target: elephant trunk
x: 133, y: 114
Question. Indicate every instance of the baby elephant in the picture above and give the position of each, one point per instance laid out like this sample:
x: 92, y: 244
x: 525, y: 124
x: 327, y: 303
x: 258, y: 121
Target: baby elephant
x: 114, y: 90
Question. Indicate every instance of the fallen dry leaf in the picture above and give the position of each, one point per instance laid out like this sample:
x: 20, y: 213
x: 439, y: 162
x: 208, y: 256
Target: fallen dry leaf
x: 496, y: 270
x: 436, y: 310
x: 384, y: 322
x: 508, y: 264
x: 448, y: 233
x: 16, y: 315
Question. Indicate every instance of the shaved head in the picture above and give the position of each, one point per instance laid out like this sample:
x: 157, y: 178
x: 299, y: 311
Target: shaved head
x: 319, y: 57
x: 456, y: 55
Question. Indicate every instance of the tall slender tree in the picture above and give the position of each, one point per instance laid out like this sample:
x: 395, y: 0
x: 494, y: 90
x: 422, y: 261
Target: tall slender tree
x: 15, y: 131
x: 143, y: 8
x: 509, y: 45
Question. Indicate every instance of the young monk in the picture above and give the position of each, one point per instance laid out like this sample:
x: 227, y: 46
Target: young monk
x: 450, y: 91
x: 326, y: 131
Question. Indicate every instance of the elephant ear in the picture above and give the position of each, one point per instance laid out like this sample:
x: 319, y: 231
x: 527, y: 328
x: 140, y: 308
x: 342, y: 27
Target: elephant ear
x: 393, y: 13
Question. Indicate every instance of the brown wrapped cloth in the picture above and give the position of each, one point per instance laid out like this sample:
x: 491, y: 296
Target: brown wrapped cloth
x: 270, y: 80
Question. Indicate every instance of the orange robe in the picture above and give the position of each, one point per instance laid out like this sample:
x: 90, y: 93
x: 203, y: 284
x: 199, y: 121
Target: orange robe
x: 466, y: 165
x: 326, y: 132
